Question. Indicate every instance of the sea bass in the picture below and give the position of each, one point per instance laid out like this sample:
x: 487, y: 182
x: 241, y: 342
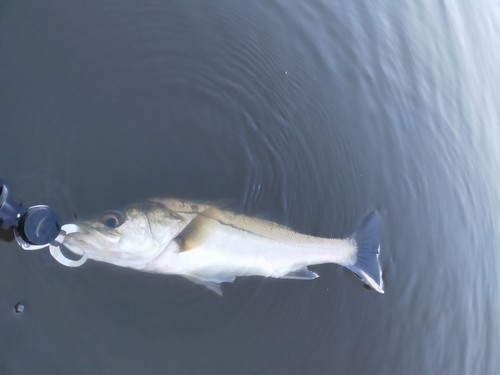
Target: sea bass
x: 210, y: 246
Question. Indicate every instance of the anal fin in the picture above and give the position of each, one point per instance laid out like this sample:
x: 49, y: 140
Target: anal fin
x: 302, y: 273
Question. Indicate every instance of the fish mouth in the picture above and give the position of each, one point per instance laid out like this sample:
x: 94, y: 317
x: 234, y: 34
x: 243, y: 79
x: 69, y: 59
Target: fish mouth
x: 89, y: 239
x: 77, y: 244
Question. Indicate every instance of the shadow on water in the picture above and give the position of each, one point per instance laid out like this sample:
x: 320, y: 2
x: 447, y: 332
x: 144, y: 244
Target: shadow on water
x: 6, y: 235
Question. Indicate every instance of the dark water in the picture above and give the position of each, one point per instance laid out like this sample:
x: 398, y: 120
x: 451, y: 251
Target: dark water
x: 308, y: 113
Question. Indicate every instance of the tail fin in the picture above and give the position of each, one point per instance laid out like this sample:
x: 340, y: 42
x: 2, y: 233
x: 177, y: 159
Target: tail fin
x: 367, y: 266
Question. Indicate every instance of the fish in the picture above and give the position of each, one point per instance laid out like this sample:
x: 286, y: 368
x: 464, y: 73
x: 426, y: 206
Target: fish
x: 210, y: 245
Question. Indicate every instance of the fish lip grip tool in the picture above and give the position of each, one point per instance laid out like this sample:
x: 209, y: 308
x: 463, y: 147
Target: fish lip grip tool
x: 55, y: 247
x: 36, y: 227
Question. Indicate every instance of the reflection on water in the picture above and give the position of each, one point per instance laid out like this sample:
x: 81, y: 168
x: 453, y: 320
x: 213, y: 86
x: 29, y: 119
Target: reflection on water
x: 309, y: 114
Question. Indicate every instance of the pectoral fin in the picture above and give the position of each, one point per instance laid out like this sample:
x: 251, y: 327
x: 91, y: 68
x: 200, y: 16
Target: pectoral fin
x: 195, y: 232
x: 301, y: 274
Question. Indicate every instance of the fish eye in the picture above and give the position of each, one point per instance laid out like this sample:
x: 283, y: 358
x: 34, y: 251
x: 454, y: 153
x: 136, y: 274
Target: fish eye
x: 112, y: 219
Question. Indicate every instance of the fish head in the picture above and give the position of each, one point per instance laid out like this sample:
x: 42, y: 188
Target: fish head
x: 129, y: 238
